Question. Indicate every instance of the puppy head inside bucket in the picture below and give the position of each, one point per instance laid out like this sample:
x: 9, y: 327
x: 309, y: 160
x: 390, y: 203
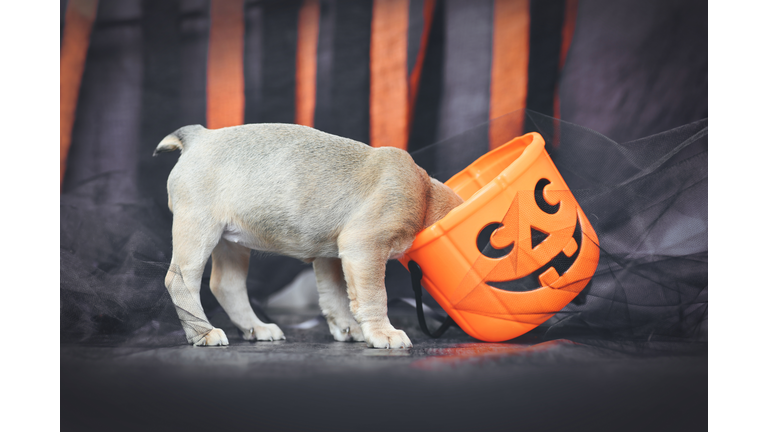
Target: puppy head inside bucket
x: 515, y: 252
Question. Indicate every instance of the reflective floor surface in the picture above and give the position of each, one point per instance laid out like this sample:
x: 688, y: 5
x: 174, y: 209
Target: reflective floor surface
x: 312, y: 383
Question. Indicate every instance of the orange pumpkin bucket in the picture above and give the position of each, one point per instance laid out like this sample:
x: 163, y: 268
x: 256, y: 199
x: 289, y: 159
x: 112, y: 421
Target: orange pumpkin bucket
x: 515, y: 252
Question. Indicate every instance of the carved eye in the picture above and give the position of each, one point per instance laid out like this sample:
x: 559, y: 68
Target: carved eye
x: 484, y: 242
x: 537, y: 235
x: 538, y: 194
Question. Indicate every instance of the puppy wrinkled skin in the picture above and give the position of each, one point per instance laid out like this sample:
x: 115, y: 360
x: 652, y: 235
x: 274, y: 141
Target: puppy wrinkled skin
x: 296, y: 191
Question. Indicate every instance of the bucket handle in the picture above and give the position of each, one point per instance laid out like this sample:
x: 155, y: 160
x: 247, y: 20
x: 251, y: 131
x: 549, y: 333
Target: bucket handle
x: 416, y: 275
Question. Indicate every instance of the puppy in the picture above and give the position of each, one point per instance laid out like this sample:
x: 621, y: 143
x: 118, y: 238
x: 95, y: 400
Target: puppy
x: 296, y: 191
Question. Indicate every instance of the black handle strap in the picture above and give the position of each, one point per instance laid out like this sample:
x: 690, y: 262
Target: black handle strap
x: 416, y: 276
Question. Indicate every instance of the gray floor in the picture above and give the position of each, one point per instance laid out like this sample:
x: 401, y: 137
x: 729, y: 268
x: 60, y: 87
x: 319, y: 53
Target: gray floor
x: 310, y: 382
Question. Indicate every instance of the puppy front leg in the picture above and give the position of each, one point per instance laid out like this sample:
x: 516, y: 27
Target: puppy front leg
x: 364, y: 273
x: 334, y: 300
x: 229, y: 272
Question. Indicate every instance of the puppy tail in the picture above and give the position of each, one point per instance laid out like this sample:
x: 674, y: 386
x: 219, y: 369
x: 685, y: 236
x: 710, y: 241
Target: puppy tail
x: 178, y: 140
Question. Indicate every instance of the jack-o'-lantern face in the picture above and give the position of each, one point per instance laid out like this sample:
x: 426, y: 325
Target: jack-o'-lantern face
x: 543, y: 244
x: 535, y: 243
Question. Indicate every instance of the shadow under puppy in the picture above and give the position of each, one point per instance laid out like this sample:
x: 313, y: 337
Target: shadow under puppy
x: 296, y: 191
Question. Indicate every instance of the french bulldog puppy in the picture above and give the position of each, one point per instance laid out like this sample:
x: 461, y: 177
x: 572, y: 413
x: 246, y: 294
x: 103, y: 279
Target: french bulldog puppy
x: 296, y: 191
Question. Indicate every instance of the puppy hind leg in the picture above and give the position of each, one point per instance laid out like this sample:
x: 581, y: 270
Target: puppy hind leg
x: 364, y: 272
x: 228, y: 275
x: 190, y: 253
x: 334, y: 300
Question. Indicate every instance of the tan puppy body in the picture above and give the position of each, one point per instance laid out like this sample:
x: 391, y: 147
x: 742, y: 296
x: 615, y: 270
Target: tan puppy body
x: 296, y: 191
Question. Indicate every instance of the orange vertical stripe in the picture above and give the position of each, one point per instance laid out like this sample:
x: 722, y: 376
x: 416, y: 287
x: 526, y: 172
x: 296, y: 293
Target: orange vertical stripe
x: 226, y: 82
x: 569, y: 25
x: 509, y: 72
x: 306, y: 62
x: 415, y: 78
x: 389, y: 71
x: 78, y: 23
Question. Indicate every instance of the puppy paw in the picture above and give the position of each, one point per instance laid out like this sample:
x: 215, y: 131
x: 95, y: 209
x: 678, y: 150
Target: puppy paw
x: 264, y: 332
x: 345, y: 330
x: 388, y: 338
x: 215, y: 337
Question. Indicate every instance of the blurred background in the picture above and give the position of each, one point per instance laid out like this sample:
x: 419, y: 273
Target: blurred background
x: 445, y: 80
